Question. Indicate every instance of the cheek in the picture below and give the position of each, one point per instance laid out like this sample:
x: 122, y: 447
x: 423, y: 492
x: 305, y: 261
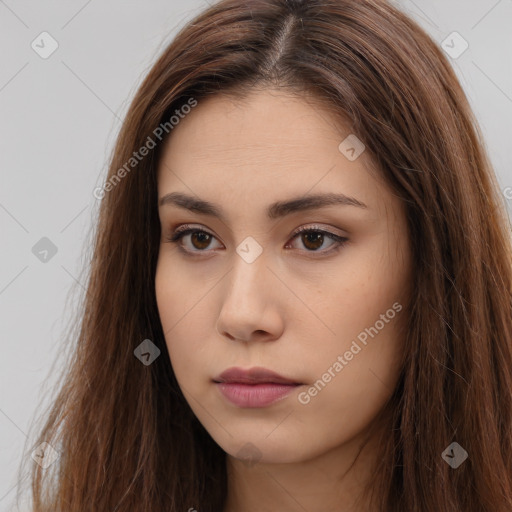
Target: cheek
x: 364, y: 311
x: 348, y: 393
x: 179, y: 311
x: 170, y: 304
x: 357, y: 298
x: 165, y: 296
x: 175, y: 295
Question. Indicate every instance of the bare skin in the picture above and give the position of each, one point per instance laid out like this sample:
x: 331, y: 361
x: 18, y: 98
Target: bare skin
x: 295, y: 309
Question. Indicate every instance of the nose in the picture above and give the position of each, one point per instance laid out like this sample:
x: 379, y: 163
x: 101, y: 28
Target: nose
x: 251, y: 307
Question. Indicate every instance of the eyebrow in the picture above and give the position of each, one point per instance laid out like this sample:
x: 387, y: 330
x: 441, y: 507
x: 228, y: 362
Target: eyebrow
x: 274, y: 211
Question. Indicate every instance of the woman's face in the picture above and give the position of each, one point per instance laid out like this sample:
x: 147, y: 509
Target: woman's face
x: 244, y: 290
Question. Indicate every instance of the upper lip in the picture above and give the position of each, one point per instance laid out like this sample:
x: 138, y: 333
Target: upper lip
x: 251, y: 376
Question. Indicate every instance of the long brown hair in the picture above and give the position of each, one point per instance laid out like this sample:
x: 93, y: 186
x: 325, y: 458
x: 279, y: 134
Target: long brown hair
x: 128, y: 441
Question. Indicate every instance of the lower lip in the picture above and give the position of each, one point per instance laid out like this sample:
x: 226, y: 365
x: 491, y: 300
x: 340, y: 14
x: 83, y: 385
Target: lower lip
x: 254, y: 395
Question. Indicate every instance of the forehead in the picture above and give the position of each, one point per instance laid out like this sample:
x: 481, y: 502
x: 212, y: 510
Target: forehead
x: 269, y: 145
x: 265, y: 123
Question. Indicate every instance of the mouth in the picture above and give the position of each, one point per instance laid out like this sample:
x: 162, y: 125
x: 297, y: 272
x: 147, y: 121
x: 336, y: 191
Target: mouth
x: 256, y: 387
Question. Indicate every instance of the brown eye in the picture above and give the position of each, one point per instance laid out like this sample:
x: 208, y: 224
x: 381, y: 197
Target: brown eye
x: 200, y: 239
x: 313, y: 239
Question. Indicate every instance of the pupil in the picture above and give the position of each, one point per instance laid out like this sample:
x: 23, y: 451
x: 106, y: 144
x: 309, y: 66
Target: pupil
x: 203, y: 237
x: 313, y: 237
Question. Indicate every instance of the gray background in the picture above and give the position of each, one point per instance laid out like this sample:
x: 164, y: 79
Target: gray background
x: 59, y: 119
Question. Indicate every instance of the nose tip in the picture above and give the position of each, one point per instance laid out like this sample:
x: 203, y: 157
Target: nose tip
x: 249, y: 309
x: 246, y: 336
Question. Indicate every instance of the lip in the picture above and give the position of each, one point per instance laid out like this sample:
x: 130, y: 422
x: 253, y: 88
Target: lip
x: 255, y: 375
x: 255, y: 387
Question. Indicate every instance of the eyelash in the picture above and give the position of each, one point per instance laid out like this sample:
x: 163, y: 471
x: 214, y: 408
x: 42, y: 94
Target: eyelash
x: 186, y: 230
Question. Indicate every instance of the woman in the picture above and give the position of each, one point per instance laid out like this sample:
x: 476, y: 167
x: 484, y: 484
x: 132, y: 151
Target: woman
x: 299, y: 188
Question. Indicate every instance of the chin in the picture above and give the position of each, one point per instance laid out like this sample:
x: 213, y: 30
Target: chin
x: 257, y: 450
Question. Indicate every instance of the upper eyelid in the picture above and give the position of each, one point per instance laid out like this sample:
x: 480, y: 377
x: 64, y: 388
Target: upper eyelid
x: 312, y: 227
